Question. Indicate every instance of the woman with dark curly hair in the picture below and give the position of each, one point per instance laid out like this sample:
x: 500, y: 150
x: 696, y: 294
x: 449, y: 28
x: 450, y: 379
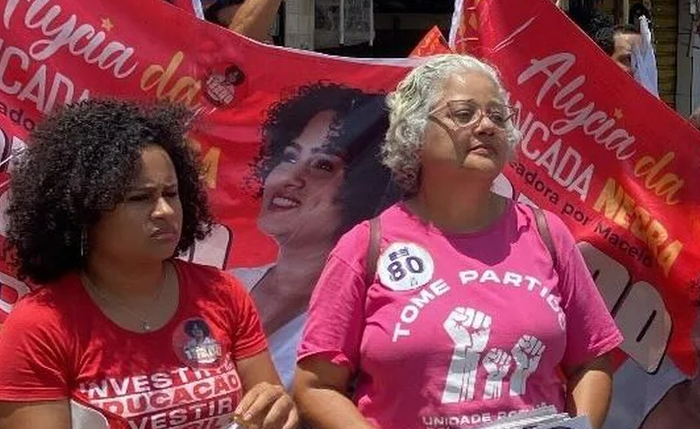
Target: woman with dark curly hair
x: 108, y: 193
x: 320, y: 175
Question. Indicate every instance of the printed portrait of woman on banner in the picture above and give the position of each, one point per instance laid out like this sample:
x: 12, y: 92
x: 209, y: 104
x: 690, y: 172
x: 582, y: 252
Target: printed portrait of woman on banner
x: 318, y: 175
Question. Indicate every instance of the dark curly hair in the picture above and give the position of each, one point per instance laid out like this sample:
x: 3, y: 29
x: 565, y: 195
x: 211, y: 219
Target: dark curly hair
x: 80, y: 163
x: 360, y: 123
x: 234, y: 75
x: 200, y: 324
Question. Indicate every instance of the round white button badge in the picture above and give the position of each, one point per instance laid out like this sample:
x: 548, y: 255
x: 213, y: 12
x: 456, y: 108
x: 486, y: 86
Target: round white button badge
x: 405, y: 266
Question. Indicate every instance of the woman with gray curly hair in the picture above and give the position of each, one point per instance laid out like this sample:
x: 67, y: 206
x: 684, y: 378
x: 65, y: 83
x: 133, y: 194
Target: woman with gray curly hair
x: 456, y: 306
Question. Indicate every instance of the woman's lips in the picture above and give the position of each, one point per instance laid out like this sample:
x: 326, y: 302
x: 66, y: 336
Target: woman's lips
x: 165, y: 234
x: 483, y: 148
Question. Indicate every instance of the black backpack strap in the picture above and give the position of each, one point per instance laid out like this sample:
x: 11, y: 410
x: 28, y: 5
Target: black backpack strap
x: 543, y: 229
x: 373, y: 248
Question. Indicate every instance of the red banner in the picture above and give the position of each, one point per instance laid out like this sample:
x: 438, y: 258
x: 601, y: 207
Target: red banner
x: 54, y: 52
x: 617, y: 165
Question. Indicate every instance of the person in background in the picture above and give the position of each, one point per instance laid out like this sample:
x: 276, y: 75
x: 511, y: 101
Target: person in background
x: 251, y: 18
x: 319, y: 175
x: 470, y: 314
x: 221, y: 12
x: 638, y: 10
x: 619, y: 42
x: 107, y: 195
x: 629, y: 46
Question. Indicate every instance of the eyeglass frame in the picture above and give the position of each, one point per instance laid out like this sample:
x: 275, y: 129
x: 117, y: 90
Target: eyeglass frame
x: 479, y: 114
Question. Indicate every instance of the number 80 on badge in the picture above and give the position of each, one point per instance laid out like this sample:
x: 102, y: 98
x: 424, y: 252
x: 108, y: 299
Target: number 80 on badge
x: 405, y: 266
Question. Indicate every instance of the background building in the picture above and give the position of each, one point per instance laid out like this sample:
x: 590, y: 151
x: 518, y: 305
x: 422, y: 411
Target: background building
x: 395, y: 27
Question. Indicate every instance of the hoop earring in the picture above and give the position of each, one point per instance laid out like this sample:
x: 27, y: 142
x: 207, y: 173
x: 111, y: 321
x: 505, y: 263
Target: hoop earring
x: 83, y: 243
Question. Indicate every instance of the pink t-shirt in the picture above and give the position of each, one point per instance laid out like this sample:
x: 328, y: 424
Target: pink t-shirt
x: 457, y: 329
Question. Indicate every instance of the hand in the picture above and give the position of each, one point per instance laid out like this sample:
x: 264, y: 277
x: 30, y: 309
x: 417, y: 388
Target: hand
x: 267, y: 406
x: 468, y: 328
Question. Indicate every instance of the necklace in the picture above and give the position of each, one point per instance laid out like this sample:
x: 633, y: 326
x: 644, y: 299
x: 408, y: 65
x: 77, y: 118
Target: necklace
x: 145, y: 323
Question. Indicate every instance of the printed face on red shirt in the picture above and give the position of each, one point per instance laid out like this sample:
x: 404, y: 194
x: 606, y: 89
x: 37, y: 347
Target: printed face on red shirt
x: 450, y: 150
x: 147, y: 224
x: 299, y: 196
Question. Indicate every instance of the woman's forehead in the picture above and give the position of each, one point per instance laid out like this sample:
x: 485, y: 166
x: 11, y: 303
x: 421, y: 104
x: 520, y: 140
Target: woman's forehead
x: 472, y: 83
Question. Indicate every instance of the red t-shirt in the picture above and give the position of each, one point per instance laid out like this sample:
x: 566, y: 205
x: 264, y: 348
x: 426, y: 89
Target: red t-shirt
x: 57, y: 344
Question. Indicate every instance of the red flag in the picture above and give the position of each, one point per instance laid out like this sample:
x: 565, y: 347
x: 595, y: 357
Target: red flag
x: 613, y: 161
x: 433, y: 43
x: 464, y: 33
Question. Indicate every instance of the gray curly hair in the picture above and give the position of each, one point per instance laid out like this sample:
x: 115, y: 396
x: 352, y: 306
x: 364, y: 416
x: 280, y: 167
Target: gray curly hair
x: 409, y: 106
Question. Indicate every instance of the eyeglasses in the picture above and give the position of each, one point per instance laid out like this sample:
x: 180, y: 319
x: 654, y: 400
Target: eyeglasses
x: 467, y: 113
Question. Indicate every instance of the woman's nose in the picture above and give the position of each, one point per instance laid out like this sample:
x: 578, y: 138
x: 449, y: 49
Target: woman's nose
x: 485, y: 125
x: 163, y: 208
